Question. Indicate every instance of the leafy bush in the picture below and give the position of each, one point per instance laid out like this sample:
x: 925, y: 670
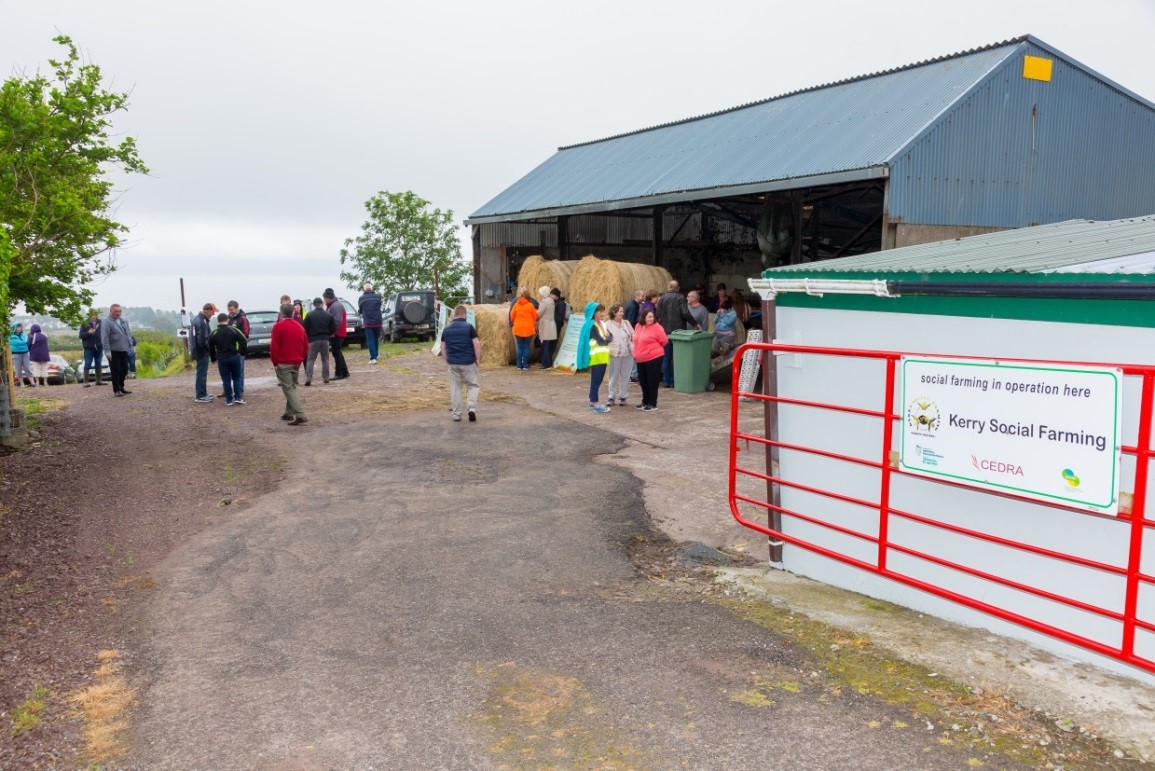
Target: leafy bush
x: 158, y: 354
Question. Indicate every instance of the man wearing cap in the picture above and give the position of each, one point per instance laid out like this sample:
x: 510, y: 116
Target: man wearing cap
x: 337, y: 311
x: 199, y: 346
x: 369, y: 306
x: 287, y: 349
x: 319, y: 327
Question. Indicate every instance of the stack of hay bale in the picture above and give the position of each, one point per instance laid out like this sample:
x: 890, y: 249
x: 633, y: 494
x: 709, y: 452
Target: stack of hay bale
x: 580, y: 281
x: 608, y: 282
x: 497, y: 346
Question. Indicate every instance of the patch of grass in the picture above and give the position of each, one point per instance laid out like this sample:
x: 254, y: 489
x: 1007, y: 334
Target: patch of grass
x: 26, y: 715
x: 35, y: 407
x: 105, y: 708
x: 752, y: 697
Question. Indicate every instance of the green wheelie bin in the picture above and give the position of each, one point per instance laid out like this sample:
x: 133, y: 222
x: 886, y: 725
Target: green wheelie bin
x: 691, y: 360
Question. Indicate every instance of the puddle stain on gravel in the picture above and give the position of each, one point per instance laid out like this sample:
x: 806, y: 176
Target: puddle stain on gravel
x: 536, y: 719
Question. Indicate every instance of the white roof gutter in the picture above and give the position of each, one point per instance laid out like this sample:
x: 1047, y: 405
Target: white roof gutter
x: 771, y: 287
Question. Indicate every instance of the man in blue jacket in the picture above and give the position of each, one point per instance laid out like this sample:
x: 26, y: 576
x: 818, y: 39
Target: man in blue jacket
x: 369, y: 306
x: 199, y: 345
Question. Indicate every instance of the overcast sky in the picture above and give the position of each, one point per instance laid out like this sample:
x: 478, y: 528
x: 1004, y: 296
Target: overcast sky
x: 267, y: 125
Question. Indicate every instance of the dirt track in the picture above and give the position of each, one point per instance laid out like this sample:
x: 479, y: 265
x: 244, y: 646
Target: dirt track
x: 386, y: 588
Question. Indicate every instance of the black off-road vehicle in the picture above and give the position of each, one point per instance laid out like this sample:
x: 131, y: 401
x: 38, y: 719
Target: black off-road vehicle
x: 410, y: 314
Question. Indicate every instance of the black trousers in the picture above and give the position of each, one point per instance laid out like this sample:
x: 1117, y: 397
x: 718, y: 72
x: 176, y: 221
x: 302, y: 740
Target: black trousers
x: 649, y: 377
x: 118, y: 364
x: 340, y: 368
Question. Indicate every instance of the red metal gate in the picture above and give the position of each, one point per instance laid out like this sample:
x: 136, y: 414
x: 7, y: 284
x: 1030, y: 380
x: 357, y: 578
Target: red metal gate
x: 1128, y: 568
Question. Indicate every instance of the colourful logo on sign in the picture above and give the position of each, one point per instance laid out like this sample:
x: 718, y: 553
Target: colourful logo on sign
x: 1071, y: 478
x: 922, y: 416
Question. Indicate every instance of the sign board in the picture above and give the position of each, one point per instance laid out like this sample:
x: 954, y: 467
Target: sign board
x: 1046, y: 432
x: 566, y: 356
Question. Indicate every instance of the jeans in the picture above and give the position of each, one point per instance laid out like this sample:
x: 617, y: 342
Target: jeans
x: 668, y: 365
x: 597, y: 373
x: 118, y: 363
x: 372, y: 337
x: 339, y: 365
x: 202, y: 374
x: 232, y: 369
x: 132, y: 360
x: 463, y: 375
x: 523, y: 345
x: 619, y: 371
x: 547, y: 353
x: 93, y: 359
x: 22, y: 367
x: 287, y: 375
x: 649, y: 377
x: 321, y: 348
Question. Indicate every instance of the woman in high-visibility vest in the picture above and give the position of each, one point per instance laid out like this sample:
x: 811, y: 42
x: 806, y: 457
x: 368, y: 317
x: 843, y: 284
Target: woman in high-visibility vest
x: 594, y: 350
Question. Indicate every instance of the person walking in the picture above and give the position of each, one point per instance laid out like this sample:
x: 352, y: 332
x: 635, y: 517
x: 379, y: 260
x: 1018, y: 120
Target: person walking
x: 337, y: 341
x: 546, y: 326
x: 319, y: 329
x: 199, y: 348
x: 621, y: 355
x: 287, y: 349
x: 21, y: 364
x: 116, y: 340
x: 39, y: 354
x: 523, y: 317
x: 649, y: 350
x: 93, y: 353
x: 369, y: 306
x: 594, y: 351
x: 673, y: 313
x: 461, y: 349
x: 227, y: 345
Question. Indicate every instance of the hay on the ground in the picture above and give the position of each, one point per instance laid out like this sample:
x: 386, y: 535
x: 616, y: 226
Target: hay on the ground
x: 497, y: 346
x: 609, y: 282
x: 537, y: 272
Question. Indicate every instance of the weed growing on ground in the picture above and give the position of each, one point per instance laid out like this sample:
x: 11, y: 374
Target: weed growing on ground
x: 26, y: 715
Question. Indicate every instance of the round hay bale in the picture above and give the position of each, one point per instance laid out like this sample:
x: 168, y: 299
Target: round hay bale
x: 497, y: 346
x: 537, y: 272
x: 609, y: 282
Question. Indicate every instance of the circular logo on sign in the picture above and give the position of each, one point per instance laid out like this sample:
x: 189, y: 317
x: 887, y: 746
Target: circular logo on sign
x: 922, y: 416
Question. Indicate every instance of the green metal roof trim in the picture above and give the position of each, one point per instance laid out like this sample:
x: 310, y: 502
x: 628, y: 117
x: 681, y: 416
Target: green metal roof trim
x: 1113, y: 313
x: 1033, y: 251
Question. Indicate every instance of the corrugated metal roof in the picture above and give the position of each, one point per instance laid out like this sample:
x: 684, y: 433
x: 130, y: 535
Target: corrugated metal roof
x: 1097, y: 247
x: 840, y: 128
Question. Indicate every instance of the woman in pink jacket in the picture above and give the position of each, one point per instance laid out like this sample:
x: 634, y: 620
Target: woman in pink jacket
x: 649, y: 348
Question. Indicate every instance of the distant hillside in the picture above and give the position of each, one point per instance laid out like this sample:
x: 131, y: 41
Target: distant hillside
x: 138, y: 318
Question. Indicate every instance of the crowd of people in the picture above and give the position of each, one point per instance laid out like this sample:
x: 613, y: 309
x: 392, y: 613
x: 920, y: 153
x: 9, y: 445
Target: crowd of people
x: 629, y: 343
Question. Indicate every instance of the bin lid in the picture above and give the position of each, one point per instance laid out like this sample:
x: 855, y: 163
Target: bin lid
x: 689, y: 334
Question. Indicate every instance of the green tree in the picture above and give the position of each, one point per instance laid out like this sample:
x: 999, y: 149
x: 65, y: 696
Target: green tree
x: 56, y: 201
x: 407, y: 244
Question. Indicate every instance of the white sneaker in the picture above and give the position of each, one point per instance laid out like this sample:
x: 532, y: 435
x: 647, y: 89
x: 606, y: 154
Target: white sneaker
x: 372, y: 361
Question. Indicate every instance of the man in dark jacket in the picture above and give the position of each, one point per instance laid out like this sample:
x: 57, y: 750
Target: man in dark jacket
x: 93, y: 353
x: 199, y: 346
x: 369, y: 306
x: 673, y: 313
x: 319, y: 328
x: 240, y: 320
x: 337, y: 341
x: 227, y: 346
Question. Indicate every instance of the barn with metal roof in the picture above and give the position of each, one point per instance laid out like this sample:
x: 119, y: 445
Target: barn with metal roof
x: 1006, y: 136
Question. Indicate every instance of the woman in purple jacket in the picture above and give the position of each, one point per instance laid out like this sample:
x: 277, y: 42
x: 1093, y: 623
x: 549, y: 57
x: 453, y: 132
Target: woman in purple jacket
x: 38, y: 353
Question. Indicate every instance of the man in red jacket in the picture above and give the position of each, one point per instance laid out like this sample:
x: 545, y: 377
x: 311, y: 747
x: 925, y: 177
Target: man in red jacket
x: 287, y: 350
